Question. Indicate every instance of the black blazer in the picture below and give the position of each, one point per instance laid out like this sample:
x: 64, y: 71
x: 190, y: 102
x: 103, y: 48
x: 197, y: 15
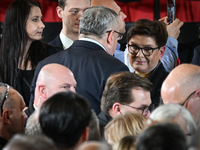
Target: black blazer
x: 196, y: 56
x: 56, y: 42
x: 91, y: 66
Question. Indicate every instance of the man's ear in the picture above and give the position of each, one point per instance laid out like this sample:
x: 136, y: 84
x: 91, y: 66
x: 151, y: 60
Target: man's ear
x: 85, y: 134
x: 110, y: 41
x: 42, y: 91
x: 116, y: 109
x: 59, y: 11
x: 162, y: 51
x: 6, y: 116
x: 197, y: 93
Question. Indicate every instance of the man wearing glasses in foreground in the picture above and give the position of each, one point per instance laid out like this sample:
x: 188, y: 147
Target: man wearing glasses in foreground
x: 124, y: 91
x: 182, y: 86
x: 12, y: 119
x: 146, y: 45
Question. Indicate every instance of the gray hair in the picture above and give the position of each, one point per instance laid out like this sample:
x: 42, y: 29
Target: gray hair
x: 30, y: 142
x: 33, y: 125
x: 174, y: 113
x: 96, y: 20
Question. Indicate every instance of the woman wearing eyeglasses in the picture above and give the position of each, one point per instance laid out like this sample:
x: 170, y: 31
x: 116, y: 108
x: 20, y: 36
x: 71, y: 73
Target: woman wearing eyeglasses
x: 146, y: 46
x: 21, y: 48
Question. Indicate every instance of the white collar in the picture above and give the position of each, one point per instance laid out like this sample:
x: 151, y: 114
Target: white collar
x: 66, y: 42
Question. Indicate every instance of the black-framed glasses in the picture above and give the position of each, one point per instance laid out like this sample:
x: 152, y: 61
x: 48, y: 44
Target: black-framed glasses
x: 188, y: 98
x: 144, y: 110
x: 146, y: 51
x: 5, y: 97
x: 120, y: 35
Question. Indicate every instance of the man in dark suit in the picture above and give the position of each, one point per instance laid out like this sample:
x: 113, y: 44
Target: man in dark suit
x: 196, y: 57
x: 70, y: 11
x: 90, y: 58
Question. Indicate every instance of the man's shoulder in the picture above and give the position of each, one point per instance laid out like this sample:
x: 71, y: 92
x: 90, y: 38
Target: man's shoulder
x: 56, y: 42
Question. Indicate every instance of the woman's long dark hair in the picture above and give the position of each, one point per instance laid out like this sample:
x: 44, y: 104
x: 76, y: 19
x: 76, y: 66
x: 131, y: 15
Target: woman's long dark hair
x: 14, y: 40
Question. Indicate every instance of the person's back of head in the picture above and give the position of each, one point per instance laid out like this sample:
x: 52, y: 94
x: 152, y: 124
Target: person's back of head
x: 65, y: 117
x: 94, y: 145
x: 126, y: 143
x: 12, y: 117
x: 97, y: 20
x: 33, y: 125
x: 30, y: 142
x: 174, y: 113
x: 118, y: 89
x: 129, y: 123
x: 162, y: 136
x: 94, y: 130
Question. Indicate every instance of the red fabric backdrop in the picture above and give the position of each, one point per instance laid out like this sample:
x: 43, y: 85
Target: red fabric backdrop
x: 186, y: 10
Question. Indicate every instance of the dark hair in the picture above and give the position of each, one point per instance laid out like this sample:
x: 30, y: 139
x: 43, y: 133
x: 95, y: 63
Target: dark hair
x: 162, y: 136
x: 154, y: 29
x: 14, y: 40
x: 62, y: 3
x: 64, y: 117
x: 119, y: 86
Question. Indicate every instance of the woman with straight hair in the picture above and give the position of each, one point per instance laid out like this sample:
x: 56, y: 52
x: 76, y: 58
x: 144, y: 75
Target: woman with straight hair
x: 21, y: 48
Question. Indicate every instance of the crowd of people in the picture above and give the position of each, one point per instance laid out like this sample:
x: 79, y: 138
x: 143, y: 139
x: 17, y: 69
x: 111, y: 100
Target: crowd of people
x: 81, y: 92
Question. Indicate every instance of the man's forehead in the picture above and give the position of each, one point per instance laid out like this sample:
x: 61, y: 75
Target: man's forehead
x: 77, y: 4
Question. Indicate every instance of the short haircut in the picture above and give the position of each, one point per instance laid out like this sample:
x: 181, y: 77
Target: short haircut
x: 64, y: 117
x: 119, y: 87
x: 97, y: 20
x: 30, y: 142
x: 8, y: 103
x: 176, y: 114
x: 94, y: 130
x: 154, y: 29
x: 129, y: 123
x: 62, y: 3
x: 33, y: 125
x: 126, y: 143
x: 162, y: 136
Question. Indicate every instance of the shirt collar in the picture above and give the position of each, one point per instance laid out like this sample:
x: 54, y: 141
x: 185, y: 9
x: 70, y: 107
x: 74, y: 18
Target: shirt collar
x: 93, y: 41
x: 66, y: 42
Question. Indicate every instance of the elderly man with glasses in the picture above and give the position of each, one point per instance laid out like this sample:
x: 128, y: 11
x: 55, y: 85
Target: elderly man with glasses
x: 146, y: 45
x: 91, y: 57
x: 182, y: 86
x: 124, y: 91
x: 12, y: 119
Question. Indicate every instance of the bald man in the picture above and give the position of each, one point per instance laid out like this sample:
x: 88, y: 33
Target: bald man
x: 170, y: 57
x: 12, y: 117
x: 52, y: 78
x: 182, y: 86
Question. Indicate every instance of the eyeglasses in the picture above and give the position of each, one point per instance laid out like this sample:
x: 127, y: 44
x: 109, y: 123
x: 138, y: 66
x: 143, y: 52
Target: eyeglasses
x: 143, y: 110
x: 188, y: 98
x: 120, y: 35
x: 147, y: 51
x: 4, y: 98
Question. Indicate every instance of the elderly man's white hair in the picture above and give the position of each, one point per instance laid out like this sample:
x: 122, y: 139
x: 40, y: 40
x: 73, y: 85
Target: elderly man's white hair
x: 174, y: 113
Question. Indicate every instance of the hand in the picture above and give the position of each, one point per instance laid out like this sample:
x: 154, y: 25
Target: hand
x: 164, y: 19
x: 173, y: 29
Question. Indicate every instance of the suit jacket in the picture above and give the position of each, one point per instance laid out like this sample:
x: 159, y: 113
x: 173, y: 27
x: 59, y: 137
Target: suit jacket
x: 56, y: 42
x: 196, y: 56
x: 91, y: 66
x: 29, y: 110
x: 157, y: 77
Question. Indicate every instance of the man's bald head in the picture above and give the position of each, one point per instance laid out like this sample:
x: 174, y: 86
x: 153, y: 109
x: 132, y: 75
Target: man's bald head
x: 53, y: 78
x: 181, y: 81
x: 182, y: 86
x: 112, y: 5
